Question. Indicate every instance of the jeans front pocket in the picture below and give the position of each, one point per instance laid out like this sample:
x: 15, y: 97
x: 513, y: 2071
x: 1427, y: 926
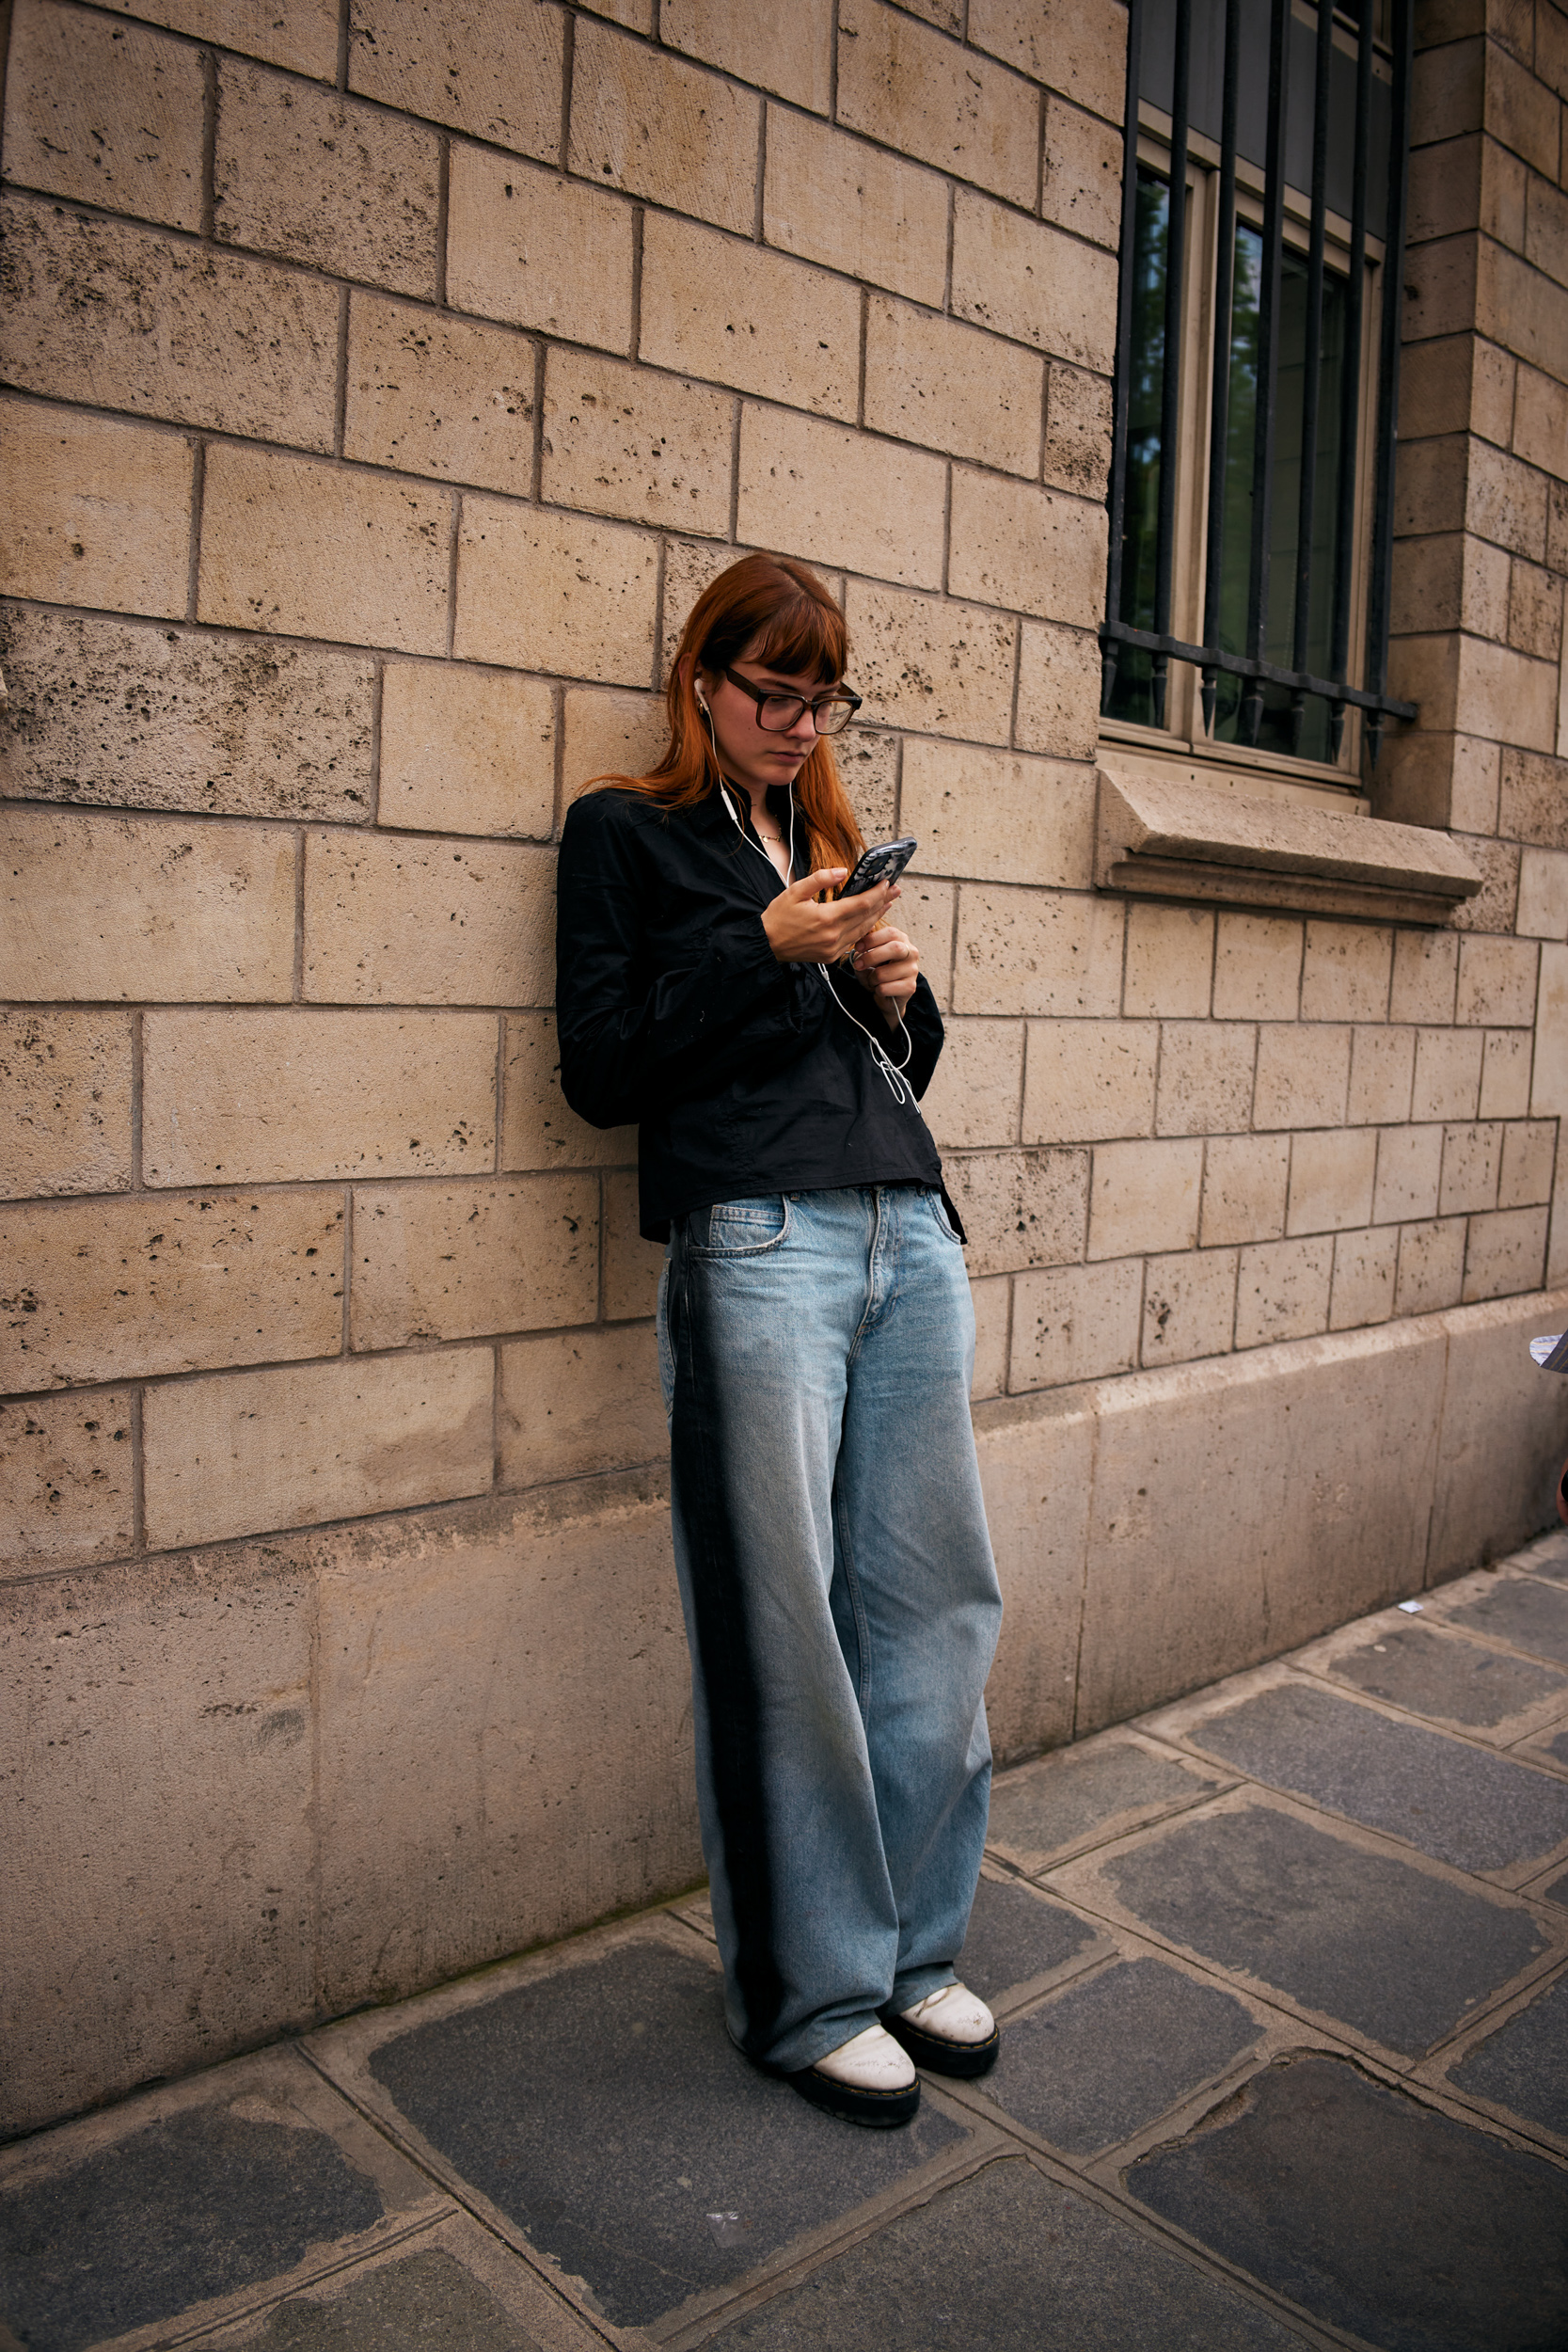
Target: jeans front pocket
x: 740, y: 1228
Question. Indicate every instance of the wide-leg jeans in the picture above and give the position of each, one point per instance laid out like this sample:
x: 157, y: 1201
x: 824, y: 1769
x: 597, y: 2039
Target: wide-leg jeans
x: 840, y: 1597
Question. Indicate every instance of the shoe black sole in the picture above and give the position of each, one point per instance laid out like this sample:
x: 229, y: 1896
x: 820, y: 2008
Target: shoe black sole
x: 879, y: 2110
x: 963, y: 2060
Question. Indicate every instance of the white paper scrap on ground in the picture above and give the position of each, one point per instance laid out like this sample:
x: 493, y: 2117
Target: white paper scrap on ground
x: 1411, y: 1608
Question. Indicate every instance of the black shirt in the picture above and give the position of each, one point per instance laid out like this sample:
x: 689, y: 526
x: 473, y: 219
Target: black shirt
x: 743, y: 1074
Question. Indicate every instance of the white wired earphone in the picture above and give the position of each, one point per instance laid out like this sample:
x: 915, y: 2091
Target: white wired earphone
x: 891, y: 1070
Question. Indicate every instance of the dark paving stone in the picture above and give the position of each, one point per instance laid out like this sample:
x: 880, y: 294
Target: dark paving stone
x: 1009, y: 2262
x: 199, y: 2204
x: 1361, y: 1937
x: 1552, y: 1559
x: 1558, y: 1891
x: 1015, y: 1934
x: 1530, y: 1616
x: 1523, y: 2065
x: 1414, y: 1667
x: 606, y: 2112
x: 1558, y: 1746
x: 425, y: 2300
x: 1042, y: 1812
x: 1479, y: 1811
x: 1375, y: 2214
x: 1106, y: 2058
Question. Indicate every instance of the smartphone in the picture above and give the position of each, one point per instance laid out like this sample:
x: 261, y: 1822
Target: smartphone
x: 882, y: 863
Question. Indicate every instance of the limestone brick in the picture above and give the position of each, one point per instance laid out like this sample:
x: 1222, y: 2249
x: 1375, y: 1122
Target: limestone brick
x: 1497, y: 981
x: 538, y: 1130
x: 1381, y: 1073
x: 1426, y: 976
x: 453, y: 1261
x: 390, y: 919
x: 66, y: 1471
x: 234, y: 1453
x: 1542, y: 910
x: 993, y: 1308
x: 1058, y: 689
x: 1480, y: 688
x: 1345, y: 975
x: 909, y: 88
x: 1028, y: 280
x: 1365, y: 1266
x: 107, y: 114
x: 65, y: 1102
x: 825, y: 492
x: 1505, y: 1072
x: 1189, y: 1306
x: 647, y: 123
x: 432, y: 395
x: 1534, y: 797
x: 1079, y: 51
x: 1032, y: 551
x: 1021, y: 1208
x: 953, y: 388
x: 1557, y: 532
x: 326, y: 180
x: 1331, y: 1180
x: 690, y: 566
x: 1528, y: 1157
x: 620, y: 441
x: 93, y: 512
x: 576, y: 1404
x: 1429, y: 486
x: 636, y: 15
x: 631, y: 1265
x: 1475, y: 780
x: 465, y: 751
x: 868, y: 770
x: 1448, y: 1074
x: 113, y: 315
x: 106, y: 1289
x: 538, y: 251
x: 1535, y: 608
x: 1089, y: 1081
x: 1540, y: 422
x: 930, y: 665
x: 310, y: 550
x: 1206, y: 1072
x: 732, y: 315
x: 1505, y: 502
x: 269, y: 1097
x: 1077, y: 432
x: 301, y: 34
x: 1145, y: 1197
x: 1282, y: 1291
x: 1082, y: 189
x: 1037, y: 951
x: 555, y: 592
x: 1556, y: 1252
x: 832, y: 198
x: 1075, y: 1322
x: 998, y: 818
x: 611, y: 733
x: 1245, y: 1179
x: 143, y: 908
x: 133, y: 716
x: 1505, y: 1254
x: 973, y: 1101
x: 1170, y: 961
x: 1472, y: 1158
x: 450, y: 61
x: 1521, y: 112
x: 1493, y: 907
x: 1432, y: 1267
x: 1409, y: 1168
x: 1303, y: 1075
x: 741, y: 37
x: 925, y: 915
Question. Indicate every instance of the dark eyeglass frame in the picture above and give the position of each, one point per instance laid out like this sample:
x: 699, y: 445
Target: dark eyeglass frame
x: 761, y: 695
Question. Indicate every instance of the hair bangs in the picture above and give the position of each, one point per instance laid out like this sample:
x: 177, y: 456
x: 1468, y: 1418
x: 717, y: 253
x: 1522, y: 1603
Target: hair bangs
x: 802, y: 638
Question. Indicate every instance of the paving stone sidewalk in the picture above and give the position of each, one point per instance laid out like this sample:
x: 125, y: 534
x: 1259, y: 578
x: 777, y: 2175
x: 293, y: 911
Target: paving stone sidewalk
x: 1282, y: 1976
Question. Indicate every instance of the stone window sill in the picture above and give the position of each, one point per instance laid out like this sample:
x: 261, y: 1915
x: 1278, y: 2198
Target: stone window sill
x: 1157, y: 836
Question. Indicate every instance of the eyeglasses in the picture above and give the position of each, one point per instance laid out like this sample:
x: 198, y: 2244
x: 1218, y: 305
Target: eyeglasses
x: 777, y: 713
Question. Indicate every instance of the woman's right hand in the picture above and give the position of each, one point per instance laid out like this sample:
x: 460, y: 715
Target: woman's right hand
x: 799, y: 930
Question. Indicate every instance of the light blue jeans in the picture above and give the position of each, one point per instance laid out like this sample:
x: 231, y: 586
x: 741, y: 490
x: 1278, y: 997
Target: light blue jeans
x: 841, y: 1601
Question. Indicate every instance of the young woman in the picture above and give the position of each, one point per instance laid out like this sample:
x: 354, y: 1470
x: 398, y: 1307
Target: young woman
x: 815, y: 1343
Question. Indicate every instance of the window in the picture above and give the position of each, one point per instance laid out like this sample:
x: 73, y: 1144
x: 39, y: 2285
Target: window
x: 1257, y: 371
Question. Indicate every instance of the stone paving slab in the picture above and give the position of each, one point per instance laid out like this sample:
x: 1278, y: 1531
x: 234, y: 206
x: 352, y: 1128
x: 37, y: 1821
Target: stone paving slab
x: 1043, y: 1813
x: 1373, y: 2213
x: 1430, y: 1670
x: 1017, y: 1937
x: 1522, y: 2065
x: 1523, y: 1611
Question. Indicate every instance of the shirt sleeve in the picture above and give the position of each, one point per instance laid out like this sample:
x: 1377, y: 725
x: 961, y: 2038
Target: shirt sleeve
x: 927, y: 1035
x: 632, y: 1038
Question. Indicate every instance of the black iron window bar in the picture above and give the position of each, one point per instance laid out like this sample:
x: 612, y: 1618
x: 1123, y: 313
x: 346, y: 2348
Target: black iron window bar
x: 1209, y: 658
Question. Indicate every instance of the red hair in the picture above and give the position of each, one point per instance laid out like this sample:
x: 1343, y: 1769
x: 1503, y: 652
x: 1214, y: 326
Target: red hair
x: 763, y: 609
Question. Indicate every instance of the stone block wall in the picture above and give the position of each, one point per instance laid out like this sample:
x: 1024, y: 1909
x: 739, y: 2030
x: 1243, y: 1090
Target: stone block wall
x: 382, y: 387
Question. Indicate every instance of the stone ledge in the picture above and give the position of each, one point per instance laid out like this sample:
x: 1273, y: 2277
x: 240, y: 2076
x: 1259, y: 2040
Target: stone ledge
x: 1160, y: 839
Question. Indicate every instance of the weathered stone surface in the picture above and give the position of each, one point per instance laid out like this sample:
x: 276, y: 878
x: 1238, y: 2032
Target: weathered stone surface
x: 1025, y: 278
x: 1303, y: 1075
x: 1021, y: 1208
x: 646, y: 122
x: 550, y: 591
x: 1282, y: 1291
x: 1078, y: 51
x: 538, y: 1130
x: 432, y: 395
x: 823, y: 491
x: 1331, y: 1181
x: 1244, y: 1180
x: 834, y: 199
x: 1505, y: 1431
x: 1206, y: 1071
x: 107, y: 114
x: 905, y: 86
x: 300, y: 35
x: 730, y: 313
x: 465, y: 750
x: 1081, y: 180
x: 537, y: 250
x: 438, y: 1262
x: 93, y: 512
x: 1058, y: 689
x: 953, y: 388
x: 999, y: 818
x: 631, y: 1266
x: 65, y: 1468
x: 1037, y: 951
x: 1033, y: 550
x: 1078, y: 431
x: 1089, y: 1081
x: 450, y: 61
x: 1035, y: 1473
x: 1145, y: 1197
x: 618, y: 441
x: 799, y: 68
x: 1170, y: 961
x: 65, y: 1102
x: 136, y: 716
x: 1365, y: 1267
x: 577, y: 1403
x: 930, y: 665
x: 1189, y: 1306
x: 973, y: 1100
x: 394, y: 921
x: 1075, y: 1322
x: 622, y: 734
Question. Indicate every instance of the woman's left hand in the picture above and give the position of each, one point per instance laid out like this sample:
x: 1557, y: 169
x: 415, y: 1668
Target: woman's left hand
x: 887, y: 964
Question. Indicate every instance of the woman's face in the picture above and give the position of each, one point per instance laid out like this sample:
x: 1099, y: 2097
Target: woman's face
x: 750, y: 753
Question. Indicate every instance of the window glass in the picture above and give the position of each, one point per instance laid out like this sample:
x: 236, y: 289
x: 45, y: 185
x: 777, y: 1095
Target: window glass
x: 1132, y: 695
